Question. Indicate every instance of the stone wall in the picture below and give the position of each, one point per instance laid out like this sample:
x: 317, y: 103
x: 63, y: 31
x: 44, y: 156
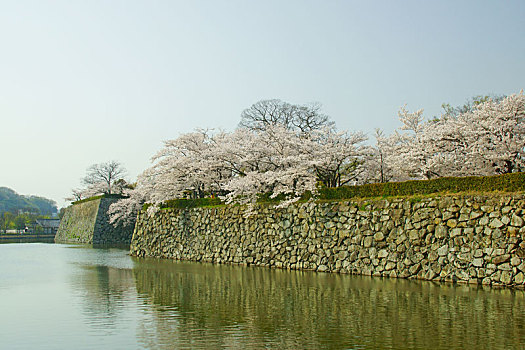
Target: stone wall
x: 471, y: 239
x: 77, y: 224
x: 88, y: 223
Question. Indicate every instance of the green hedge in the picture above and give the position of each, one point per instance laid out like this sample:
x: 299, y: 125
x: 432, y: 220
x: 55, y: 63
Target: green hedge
x: 191, y: 203
x: 504, y: 183
x: 98, y: 197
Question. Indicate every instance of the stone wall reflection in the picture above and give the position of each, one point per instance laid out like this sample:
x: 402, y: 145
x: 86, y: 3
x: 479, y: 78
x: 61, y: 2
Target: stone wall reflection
x: 230, y: 306
x: 104, y: 293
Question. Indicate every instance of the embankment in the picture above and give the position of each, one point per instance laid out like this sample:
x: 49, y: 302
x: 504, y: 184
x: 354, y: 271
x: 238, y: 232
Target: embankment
x: 463, y: 238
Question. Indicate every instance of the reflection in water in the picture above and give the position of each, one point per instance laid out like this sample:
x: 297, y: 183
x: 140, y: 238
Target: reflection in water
x: 104, y: 290
x: 104, y: 281
x: 75, y: 297
x: 201, y: 305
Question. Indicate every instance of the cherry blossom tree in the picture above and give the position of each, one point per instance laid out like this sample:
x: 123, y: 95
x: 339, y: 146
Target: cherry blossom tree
x: 407, y: 149
x: 494, y: 134
x: 282, y: 150
x: 243, y: 164
x: 469, y: 106
x: 125, y: 210
x: 276, y: 162
x: 183, y: 166
x: 487, y: 139
x: 375, y: 166
x: 337, y: 157
x: 94, y: 189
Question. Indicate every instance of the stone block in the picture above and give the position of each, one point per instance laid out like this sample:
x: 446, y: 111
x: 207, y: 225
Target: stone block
x: 443, y: 250
x: 379, y: 236
x: 477, y: 262
x: 516, y: 221
x: 496, y: 223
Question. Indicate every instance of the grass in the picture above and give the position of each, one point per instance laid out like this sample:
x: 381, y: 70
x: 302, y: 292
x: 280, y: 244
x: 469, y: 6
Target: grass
x: 97, y: 197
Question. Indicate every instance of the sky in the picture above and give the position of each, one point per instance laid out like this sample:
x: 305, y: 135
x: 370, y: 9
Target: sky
x: 85, y: 82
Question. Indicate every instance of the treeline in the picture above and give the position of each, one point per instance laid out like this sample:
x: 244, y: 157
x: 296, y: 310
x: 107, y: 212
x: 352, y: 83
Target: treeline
x: 12, y: 202
x: 18, y: 211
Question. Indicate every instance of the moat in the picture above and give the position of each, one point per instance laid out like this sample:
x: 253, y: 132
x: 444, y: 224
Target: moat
x: 56, y: 296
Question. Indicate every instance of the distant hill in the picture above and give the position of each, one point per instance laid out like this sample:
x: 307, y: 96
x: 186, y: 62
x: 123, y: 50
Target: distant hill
x: 13, y: 202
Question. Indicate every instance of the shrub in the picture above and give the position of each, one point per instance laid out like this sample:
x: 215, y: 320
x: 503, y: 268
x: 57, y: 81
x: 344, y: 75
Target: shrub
x: 190, y: 203
x: 505, y: 183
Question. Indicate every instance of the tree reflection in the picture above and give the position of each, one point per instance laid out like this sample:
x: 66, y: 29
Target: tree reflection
x: 203, y: 305
x: 104, y: 290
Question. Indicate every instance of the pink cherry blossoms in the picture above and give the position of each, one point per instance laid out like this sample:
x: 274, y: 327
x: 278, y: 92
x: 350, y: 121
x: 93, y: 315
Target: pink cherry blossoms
x: 300, y: 150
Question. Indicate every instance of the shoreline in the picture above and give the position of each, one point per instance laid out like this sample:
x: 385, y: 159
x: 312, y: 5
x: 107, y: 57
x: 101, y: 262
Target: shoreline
x: 27, y: 237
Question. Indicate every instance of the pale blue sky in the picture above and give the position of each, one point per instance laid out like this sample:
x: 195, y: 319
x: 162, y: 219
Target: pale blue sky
x: 84, y: 82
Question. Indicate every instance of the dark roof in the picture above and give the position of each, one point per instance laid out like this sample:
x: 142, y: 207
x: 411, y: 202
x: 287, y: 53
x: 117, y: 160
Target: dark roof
x: 53, y: 223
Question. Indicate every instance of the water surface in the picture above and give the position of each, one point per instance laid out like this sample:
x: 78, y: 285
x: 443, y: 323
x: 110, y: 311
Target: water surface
x: 67, y: 296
